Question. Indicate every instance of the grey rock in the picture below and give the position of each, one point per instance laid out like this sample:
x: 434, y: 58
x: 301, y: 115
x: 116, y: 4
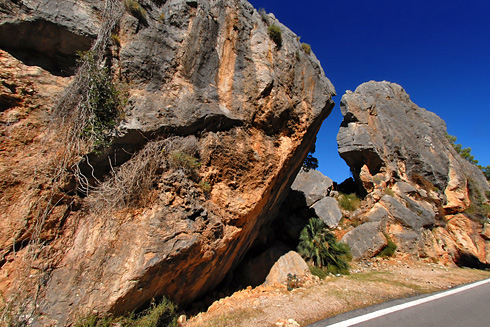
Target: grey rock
x: 62, y: 28
x: 406, y: 216
x: 377, y: 214
x: 200, y: 70
x: 406, y: 188
x: 366, y: 240
x: 313, y: 184
x: 327, y: 209
x: 383, y: 128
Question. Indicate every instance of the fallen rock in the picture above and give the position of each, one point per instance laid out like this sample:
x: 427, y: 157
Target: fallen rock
x: 313, y: 184
x: 366, y: 240
x: 404, y: 215
x: 327, y: 209
x: 290, y: 263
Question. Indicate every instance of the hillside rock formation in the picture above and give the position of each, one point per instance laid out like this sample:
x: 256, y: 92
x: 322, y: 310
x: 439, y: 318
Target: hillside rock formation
x: 417, y: 187
x: 218, y: 121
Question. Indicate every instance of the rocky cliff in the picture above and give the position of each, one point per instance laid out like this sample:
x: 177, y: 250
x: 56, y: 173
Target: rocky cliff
x: 418, y: 190
x: 216, y: 120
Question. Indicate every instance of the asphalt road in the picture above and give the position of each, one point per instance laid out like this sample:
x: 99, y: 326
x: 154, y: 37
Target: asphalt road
x: 459, y: 307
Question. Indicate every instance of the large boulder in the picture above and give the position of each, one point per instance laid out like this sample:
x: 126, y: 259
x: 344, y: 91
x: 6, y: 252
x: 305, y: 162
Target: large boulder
x: 313, y: 184
x: 290, y: 263
x: 327, y: 209
x: 366, y: 240
x: 218, y: 121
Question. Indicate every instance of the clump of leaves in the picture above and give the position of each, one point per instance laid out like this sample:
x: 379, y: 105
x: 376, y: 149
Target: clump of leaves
x: 465, y: 153
x: 306, y: 48
x: 103, y: 102
x: 205, y: 187
x: 389, y: 249
x: 389, y: 191
x: 292, y: 282
x: 187, y: 163
x: 275, y: 34
x: 349, y: 202
x: 136, y: 10
x: 318, y: 245
x: 317, y: 271
x: 157, y: 315
x: 310, y: 161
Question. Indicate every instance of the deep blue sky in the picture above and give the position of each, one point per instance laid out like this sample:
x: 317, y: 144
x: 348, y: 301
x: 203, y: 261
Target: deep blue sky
x: 438, y: 51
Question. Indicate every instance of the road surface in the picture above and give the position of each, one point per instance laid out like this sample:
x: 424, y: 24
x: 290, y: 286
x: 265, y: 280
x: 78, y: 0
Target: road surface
x: 466, y: 306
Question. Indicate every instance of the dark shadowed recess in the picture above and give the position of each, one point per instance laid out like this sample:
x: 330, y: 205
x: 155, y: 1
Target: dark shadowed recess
x: 44, y: 44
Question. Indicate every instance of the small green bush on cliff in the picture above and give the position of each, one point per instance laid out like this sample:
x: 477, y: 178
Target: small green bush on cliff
x: 275, y: 34
x: 389, y: 249
x: 187, y: 163
x: 349, y: 202
x: 102, y: 103
x: 318, y: 245
x: 306, y: 48
x: 136, y: 10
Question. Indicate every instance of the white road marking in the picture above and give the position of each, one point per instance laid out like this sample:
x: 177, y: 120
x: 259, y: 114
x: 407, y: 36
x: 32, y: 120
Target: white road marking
x: 379, y: 313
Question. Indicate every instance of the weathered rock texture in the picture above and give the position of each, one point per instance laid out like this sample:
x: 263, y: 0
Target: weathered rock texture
x: 413, y: 179
x: 220, y: 116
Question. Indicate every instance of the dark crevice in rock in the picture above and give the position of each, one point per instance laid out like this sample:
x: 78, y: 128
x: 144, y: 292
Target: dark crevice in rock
x: 358, y: 158
x: 8, y: 101
x: 468, y: 260
x: 45, y: 44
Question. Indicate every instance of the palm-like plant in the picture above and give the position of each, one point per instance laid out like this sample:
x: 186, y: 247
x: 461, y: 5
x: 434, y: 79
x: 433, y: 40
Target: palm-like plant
x: 319, y: 246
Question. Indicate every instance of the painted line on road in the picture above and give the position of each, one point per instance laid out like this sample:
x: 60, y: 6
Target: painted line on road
x: 379, y: 313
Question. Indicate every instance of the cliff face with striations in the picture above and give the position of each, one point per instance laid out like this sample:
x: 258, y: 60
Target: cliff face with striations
x: 217, y: 122
x: 419, y: 190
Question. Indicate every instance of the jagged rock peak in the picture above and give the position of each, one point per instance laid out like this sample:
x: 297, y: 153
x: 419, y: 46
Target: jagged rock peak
x: 418, y: 190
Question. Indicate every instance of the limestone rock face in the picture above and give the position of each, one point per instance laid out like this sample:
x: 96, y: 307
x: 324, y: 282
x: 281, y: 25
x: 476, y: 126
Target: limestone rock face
x: 412, y: 178
x: 382, y: 128
x: 226, y: 114
x: 61, y: 29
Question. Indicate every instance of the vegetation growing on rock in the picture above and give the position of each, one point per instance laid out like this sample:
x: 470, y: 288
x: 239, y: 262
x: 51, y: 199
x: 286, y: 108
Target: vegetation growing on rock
x: 320, y: 247
x: 275, y: 34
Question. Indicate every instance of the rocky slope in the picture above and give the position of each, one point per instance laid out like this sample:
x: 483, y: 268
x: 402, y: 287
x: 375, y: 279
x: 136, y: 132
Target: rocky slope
x: 418, y: 190
x: 217, y: 122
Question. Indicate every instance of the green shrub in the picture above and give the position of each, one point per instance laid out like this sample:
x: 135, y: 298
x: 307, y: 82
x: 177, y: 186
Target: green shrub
x: 389, y: 191
x: 161, y: 315
x: 319, y: 246
x: 292, y: 282
x: 116, y: 39
x: 136, y: 10
x: 205, y: 187
x: 306, y: 48
x: 102, y: 103
x: 389, y: 249
x: 275, y: 34
x: 187, y: 163
x: 317, y: 271
x: 349, y: 202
